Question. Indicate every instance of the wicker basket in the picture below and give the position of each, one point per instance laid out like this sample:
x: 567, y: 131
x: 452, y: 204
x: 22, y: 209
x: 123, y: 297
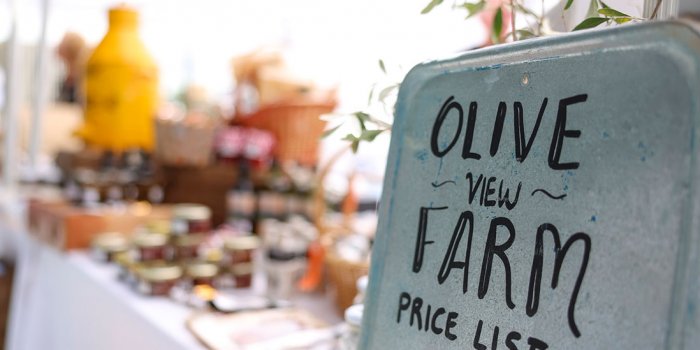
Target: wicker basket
x: 342, y: 277
x: 183, y: 144
x: 296, y: 126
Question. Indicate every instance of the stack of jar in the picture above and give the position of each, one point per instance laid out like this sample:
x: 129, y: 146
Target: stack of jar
x: 160, y: 257
x: 281, y: 194
x: 129, y: 177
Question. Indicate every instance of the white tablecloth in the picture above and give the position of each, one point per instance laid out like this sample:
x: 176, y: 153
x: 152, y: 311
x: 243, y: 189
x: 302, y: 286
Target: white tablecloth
x: 68, y: 301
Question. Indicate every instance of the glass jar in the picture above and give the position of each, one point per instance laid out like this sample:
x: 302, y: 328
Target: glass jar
x: 186, y: 247
x: 242, y: 274
x: 191, y: 218
x: 283, y: 269
x: 150, y: 246
x: 158, y: 278
x: 201, y: 273
x: 106, y: 245
x: 127, y: 268
x: 350, y: 339
x: 240, y: 249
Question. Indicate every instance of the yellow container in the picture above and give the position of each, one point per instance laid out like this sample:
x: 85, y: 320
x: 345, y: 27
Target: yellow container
x: 121, y: 87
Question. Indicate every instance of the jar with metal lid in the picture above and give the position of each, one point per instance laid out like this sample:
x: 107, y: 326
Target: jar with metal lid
x: 126, y: 268
x: 201, y: 273
x: 106, y: 245
x: 191, y: 218
x: 158, y: 226
x: 150, y: 246
x: 240, y: 249
x: 158, y: 278
x: 350, y: 339
x: 242, y: 274
x: 186, y: 247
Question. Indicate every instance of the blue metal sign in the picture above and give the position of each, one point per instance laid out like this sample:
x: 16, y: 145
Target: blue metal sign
x: 544, y: 195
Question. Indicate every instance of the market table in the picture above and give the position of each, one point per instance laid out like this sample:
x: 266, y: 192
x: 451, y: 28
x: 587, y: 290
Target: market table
x: 66, y: 300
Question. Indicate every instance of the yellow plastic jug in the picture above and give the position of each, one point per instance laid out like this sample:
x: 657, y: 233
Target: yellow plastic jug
x: 121, y: 88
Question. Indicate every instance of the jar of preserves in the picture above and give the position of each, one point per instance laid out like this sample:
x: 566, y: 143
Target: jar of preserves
x: 242, y: 274
x: 106, y: 245
x: 186, y: 247
x: 158, y: 278
x: 127, y: 268
x: 191, y: 218
x: 150, y: 246
x: 240, y: 249
x: 201, y: 273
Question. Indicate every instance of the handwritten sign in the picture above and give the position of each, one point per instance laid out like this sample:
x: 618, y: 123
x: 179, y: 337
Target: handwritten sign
x: 544, y: 195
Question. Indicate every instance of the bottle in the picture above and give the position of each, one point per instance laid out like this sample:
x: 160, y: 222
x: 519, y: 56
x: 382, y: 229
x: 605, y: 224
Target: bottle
x: 121, y: 88
x: 240, y: 201
x: 272, y: 198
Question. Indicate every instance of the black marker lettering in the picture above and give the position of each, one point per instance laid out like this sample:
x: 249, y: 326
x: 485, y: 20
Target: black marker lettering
x: 492, y: 249
x: 498, y: 128
x: 560, y: 132
x: 533, y: 295
x: 509, y: 340
x: 444, y: 110
x: 439, y: 312
x: 449, y: 263
x: 477, y: 345
x: 536, y: 344
x: 522, y: 147
x: 469, y: 136
x: 404, y: 303
x: 415, y: 311
x: 421, y: 241
x: 489, y: 191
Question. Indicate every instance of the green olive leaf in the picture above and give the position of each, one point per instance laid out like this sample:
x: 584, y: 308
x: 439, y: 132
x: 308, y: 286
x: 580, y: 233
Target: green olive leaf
x: 497, y: 26
x: 524, y: 34
x: 608, y: 12
x: 431, y: 6
x: 568, y: 4
x: 330, y: 131
x: 474, y: 8
x: 386, y: 91
x: 370, y: 135
x: 590, y: 23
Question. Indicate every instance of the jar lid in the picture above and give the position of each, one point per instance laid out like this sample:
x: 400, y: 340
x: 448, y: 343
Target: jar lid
x: 159, y: 271
x: 188, y: 240
x: 242, y: 243
x: 214, y: 255
x: 241, y: 269
x: 158, y: 226
x: 191, y: 212
x: 149, y: 239
x: 201, y: 269
x: 110, y: 241
x: 123, y: 259
x: 361, y: 284
x: 353, y: 314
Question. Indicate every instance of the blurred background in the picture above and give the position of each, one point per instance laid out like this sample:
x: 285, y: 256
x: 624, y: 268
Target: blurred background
x: 167, y: 180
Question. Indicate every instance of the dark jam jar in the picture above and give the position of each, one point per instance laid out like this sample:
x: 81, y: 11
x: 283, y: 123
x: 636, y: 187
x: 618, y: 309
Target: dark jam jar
x: 242, y: 274
x: 150, y: 246
x: 106, y: 245
x: 201, y: 273
x: 157, y: 278
x: 240, y: 249
x: 186, y: 247
x: 191, y: 218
